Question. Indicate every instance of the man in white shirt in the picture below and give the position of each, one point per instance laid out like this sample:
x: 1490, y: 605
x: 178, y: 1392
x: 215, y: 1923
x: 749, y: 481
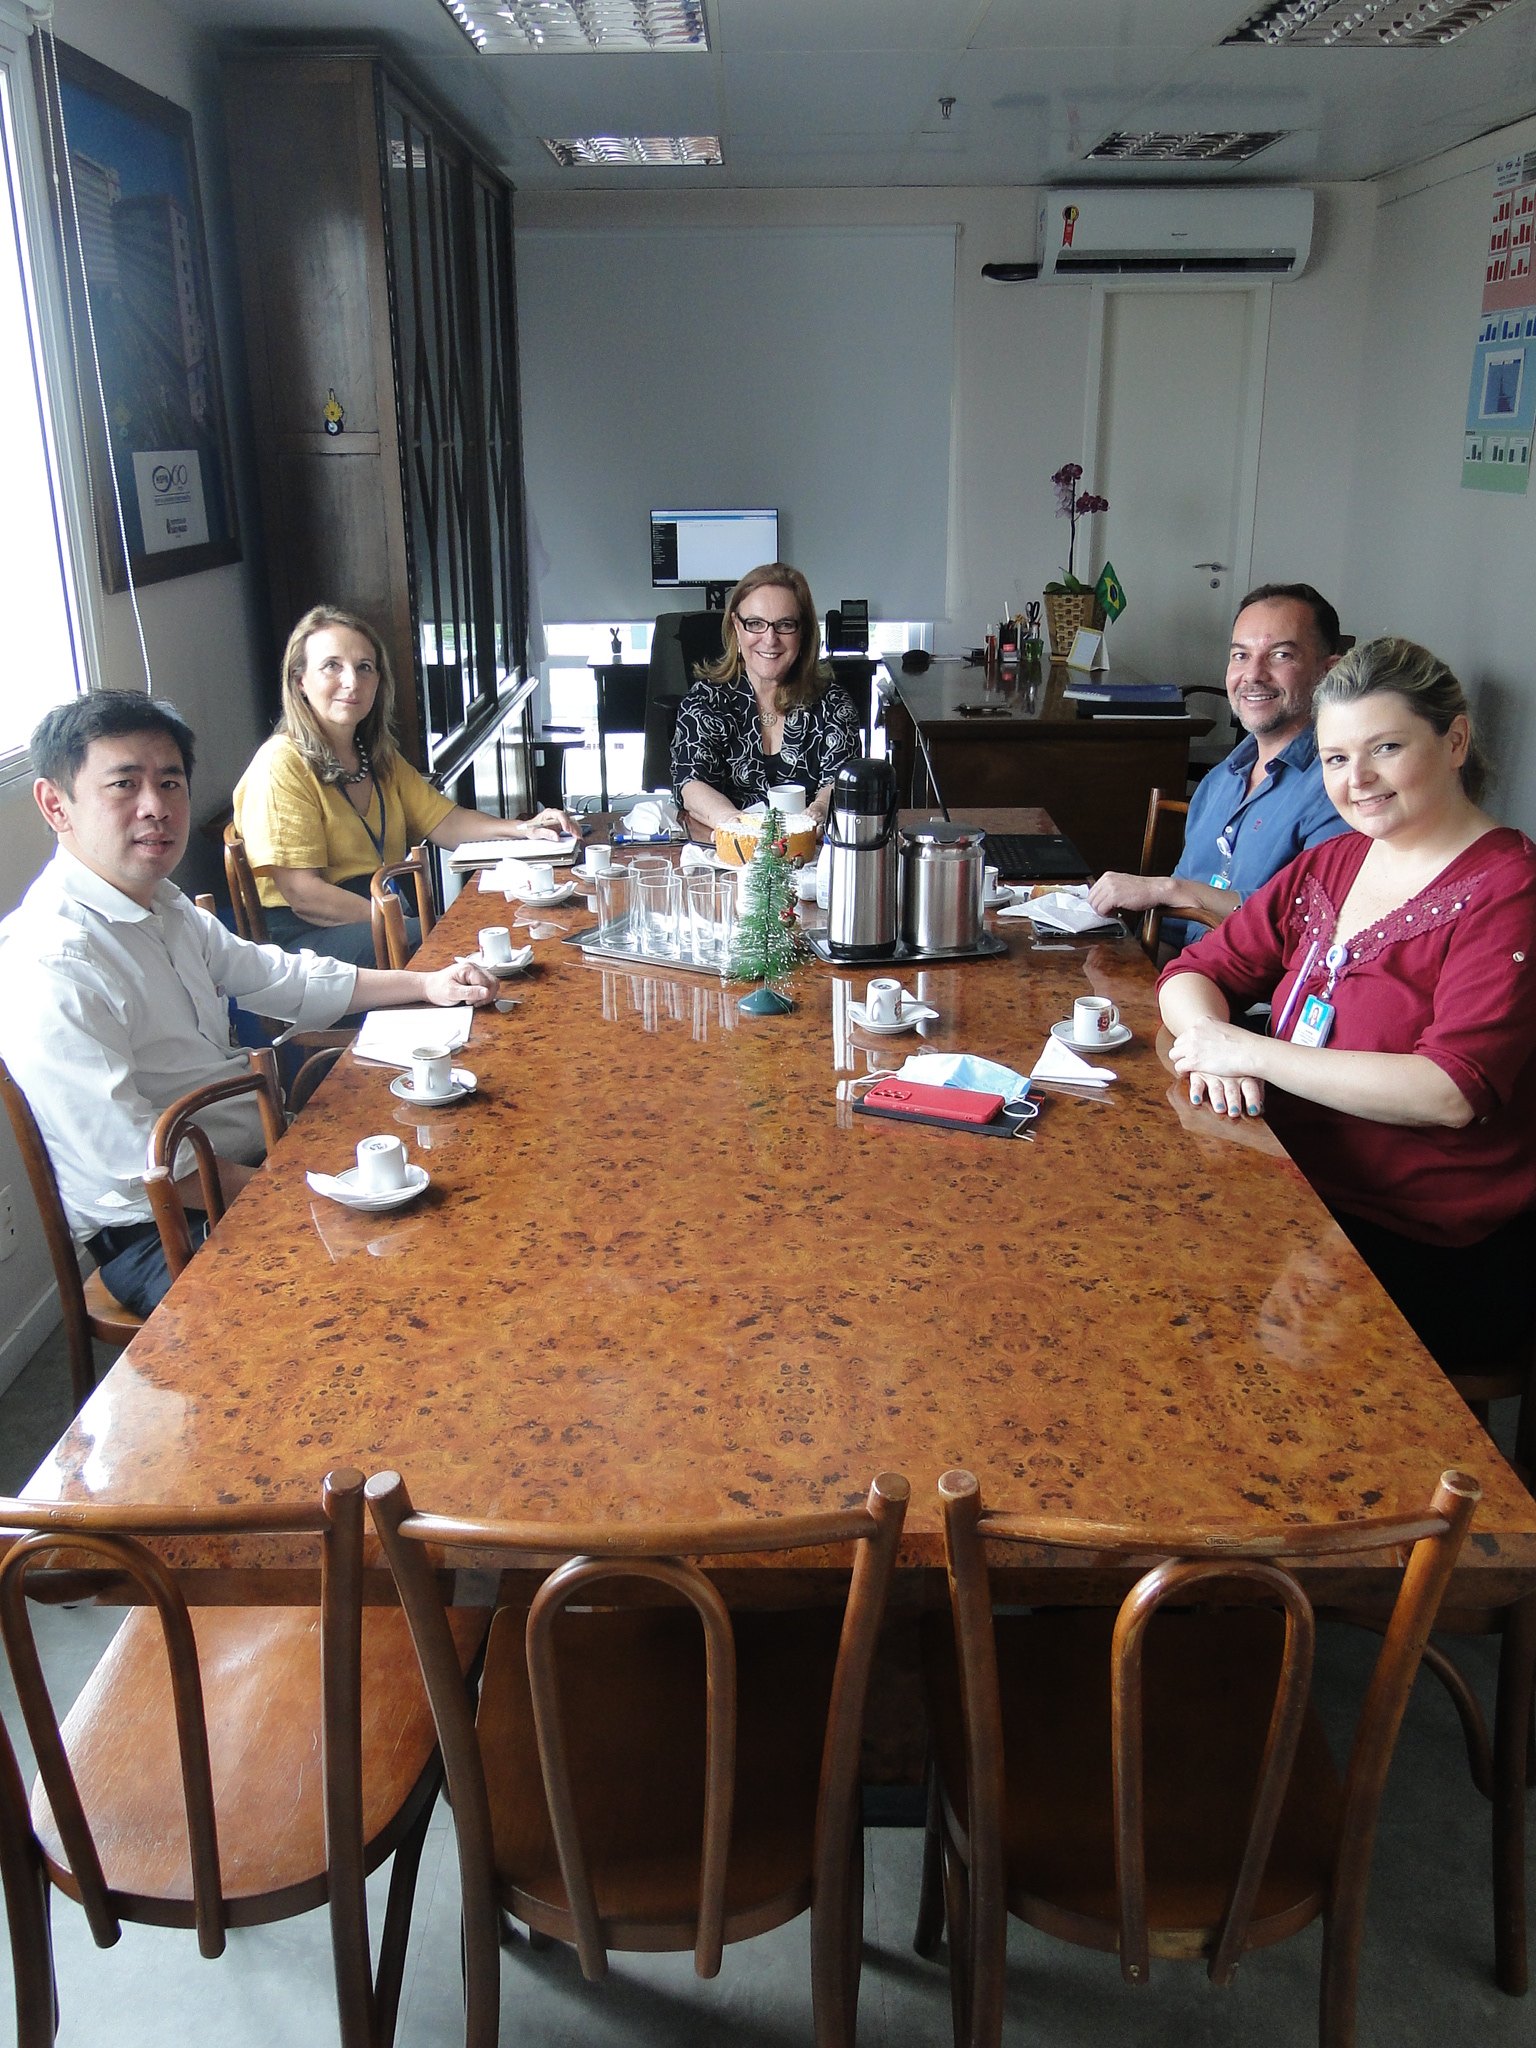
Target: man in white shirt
x: 116, y: 984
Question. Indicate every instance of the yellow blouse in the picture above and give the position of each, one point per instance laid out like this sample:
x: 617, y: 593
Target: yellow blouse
x: 288, y: 818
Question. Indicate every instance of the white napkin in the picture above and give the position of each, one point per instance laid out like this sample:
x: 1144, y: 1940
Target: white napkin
x: 652, y: 815
x: 912, y: 1011
x: 1060, y: 1063
x: 389, y: 1037
x: 1062, y: 911
x: 509, y: 879
x: 696, y: 856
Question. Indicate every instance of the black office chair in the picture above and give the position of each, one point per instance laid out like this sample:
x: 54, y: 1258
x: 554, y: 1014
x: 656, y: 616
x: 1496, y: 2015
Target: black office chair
x: 681, y: 642
x: 622, y: 692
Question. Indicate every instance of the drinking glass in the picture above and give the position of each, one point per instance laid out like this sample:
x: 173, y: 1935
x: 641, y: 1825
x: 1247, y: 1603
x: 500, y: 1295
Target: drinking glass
x: 660, y: 900
x: 703, y: 942
x: 725, y: 918
x: 615, y: 904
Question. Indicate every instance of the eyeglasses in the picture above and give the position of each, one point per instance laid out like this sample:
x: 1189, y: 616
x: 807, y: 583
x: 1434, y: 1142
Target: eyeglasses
x: 783, y: 627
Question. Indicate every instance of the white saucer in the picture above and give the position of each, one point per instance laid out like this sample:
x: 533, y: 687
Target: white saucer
x: 912, y: 1014
x: 503, y: 970
x: 464, y: 1083
x: 546, y: 900
x: 1063, y: 1032
x: 1003, y: 894
x: 588, y: 875
x: 343, y: 1188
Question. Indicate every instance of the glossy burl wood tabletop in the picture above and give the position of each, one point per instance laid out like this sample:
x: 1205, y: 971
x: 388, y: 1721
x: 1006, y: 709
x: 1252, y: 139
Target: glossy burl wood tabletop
x: 664, y: 1269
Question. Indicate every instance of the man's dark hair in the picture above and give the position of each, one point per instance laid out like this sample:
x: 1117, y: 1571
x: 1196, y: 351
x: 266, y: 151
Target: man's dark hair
x: 60, y: 742
x: 1324, y: 617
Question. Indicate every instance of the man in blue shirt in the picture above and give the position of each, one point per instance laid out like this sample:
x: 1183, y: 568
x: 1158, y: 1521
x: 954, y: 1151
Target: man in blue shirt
x: 1256, y: 810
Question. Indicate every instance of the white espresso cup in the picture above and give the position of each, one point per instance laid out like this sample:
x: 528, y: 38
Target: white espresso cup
x: 882, y: 1002
x: 988, y: 884
x: 599, y: 859
x: 1094, y: 1018
x: 540, y: 877
x: 788, y: 798
x: 495, y: 945
x: 431, y: 1070
x: 380, y: 1165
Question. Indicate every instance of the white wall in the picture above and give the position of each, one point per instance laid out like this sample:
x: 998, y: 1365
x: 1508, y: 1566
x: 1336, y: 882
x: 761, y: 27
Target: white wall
x: 1449, y: 567
x: 204, y: 632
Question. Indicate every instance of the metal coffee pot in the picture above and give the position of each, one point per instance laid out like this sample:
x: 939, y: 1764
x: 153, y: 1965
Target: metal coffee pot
x: 861, y: 831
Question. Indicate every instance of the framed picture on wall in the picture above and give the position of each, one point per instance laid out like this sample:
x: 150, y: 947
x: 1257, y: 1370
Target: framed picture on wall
x: 128, y: 213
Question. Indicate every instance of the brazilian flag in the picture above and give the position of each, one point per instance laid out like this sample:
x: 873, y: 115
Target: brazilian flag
x: 1109, y: 593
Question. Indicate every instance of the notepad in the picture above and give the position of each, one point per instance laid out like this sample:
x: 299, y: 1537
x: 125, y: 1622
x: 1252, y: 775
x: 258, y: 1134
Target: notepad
x: 485, y: 853
x: 389, y: 1037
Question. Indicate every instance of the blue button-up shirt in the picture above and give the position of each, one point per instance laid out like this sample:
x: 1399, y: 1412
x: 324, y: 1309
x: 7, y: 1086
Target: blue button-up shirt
x: 1246, y: 838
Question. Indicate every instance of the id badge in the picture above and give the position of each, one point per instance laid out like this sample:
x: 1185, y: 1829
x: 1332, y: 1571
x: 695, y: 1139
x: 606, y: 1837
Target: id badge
x: 1314, y: 1023
x: 1221, y: 881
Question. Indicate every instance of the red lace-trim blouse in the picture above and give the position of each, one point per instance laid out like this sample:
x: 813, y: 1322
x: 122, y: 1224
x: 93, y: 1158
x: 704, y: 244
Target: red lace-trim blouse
x: 1448, y: 976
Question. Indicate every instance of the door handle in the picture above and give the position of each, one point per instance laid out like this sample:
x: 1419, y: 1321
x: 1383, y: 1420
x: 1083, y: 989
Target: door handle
x: 1216, y: 568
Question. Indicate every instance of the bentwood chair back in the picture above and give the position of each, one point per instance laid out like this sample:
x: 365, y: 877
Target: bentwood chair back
x: 1163, y: 1785
x: 245, y: 899
x: 223, y: 1766
x: 647, y: 1770
x: 390, y: 947
x: 417, y: 866
x: 90, y: 1310
x: 177, y: 1126
x: 1161, y: 845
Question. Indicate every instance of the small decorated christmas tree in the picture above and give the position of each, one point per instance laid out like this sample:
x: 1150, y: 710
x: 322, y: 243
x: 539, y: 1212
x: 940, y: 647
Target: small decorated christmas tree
x: 769, y: 943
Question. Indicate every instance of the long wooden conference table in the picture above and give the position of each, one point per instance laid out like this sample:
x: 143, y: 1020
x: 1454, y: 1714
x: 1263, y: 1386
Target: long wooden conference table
x: 663, y: 1268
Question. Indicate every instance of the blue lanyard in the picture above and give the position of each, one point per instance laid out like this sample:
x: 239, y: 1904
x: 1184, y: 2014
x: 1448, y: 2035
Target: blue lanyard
x: 376, y: 837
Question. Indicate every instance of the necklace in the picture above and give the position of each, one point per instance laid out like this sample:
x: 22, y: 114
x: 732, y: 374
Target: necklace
x: 350, y: 781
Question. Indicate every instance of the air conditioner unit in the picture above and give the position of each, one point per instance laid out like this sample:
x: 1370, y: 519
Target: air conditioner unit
x: 1173, y: 231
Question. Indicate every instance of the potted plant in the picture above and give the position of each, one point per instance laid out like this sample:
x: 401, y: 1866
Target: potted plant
x: 1070, y: 604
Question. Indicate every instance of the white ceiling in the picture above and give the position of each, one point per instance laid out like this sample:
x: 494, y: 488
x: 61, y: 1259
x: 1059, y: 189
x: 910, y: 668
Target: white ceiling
x: 846, y: 92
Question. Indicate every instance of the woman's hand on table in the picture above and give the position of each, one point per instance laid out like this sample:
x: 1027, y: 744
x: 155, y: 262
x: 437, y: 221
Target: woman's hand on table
x: 1217, y: 1059
x: 548, y: 824
x: 463, y: 982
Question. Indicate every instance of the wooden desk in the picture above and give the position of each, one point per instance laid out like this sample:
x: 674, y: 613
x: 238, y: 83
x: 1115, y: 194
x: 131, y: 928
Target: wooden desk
x: 1094, y: 775
x: 663, y: 1267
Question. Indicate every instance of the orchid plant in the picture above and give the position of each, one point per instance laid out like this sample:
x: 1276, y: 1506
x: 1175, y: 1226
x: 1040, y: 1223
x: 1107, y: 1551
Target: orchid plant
x: 1073, y: 505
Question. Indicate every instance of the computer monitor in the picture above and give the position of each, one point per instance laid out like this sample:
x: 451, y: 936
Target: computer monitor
x: 715, y: 549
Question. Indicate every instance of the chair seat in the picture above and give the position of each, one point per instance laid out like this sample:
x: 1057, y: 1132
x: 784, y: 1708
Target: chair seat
x: 260, y: 1672
x: 110, y: 1321
x: 640, y: 1798
x: 1208, y: 1689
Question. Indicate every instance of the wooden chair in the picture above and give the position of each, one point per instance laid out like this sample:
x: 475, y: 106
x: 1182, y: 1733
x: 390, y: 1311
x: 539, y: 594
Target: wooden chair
x: 90, y: 1310
x: 1165, y: 1792
x: 1161, y: 846
x: 176, y: 1126
x: 613, y: 1741
x: 245, y: 899
x: 310, y: 1075
x: 415, y: 864
x: 223, y: 1766
x: 389, y: 941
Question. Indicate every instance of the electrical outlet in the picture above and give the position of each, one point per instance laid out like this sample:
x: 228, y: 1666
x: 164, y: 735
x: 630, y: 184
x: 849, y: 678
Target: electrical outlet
x: 7, y: 1224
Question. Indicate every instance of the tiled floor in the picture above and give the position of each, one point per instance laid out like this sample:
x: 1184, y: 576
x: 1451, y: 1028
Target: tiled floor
x: 1427, y: 1975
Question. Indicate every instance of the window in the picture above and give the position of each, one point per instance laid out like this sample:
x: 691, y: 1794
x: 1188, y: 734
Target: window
x: 45, y: 655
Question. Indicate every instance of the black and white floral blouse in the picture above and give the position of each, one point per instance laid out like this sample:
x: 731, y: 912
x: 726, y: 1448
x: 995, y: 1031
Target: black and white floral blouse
x: 719, y: 741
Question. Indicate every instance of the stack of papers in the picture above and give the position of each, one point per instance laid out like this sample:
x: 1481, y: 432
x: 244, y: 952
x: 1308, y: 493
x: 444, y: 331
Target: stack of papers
x: 1060, y: 1063
x: 1063, y: 910
x: 389, y: 1037
x: 485, y: 853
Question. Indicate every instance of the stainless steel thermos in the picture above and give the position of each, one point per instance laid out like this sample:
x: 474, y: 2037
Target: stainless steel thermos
x: 861, y: 831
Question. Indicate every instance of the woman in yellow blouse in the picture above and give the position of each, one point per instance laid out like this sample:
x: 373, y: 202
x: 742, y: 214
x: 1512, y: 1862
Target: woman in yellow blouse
x: 328, y: 801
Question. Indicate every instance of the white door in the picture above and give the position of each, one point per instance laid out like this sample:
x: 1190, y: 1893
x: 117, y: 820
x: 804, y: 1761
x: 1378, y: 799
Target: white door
x: 1180, y: 397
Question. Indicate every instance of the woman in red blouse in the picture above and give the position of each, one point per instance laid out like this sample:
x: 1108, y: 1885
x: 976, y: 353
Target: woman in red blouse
x: 1398, y: 963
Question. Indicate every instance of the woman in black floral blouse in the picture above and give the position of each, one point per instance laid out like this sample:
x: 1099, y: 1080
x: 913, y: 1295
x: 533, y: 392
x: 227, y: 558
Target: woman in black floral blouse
x: 766, y: 712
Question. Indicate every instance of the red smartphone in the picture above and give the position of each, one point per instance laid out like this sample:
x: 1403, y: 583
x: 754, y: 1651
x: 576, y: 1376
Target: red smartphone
x: 921, y: 1099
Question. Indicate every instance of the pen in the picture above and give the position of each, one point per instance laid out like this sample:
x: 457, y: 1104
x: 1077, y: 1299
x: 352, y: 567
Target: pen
x: 1290, y: 1001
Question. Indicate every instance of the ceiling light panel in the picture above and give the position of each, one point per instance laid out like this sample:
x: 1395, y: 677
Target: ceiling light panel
x: 594, y: 27
x: 1367, y: 24
x: 1207, y: 146
x: 679, y: 151
x: 472, y: 25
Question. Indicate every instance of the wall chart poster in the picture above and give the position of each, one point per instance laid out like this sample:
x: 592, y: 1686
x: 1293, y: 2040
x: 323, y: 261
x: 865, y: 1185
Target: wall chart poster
x: 1501, y: 405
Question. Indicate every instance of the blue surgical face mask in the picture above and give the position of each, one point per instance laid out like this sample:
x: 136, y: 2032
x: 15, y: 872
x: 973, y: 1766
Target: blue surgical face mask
x: 965, y: 1070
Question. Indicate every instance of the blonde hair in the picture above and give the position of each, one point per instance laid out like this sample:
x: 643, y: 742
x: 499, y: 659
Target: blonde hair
x: 807, y: 680
x: 1423, y: 682
x: 376, y: 732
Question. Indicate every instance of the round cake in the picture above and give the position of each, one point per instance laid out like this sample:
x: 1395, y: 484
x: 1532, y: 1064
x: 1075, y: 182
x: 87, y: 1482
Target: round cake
x: 736, y: 840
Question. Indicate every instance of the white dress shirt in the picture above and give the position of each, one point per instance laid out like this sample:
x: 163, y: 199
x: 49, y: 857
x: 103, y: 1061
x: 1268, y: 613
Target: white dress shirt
x: 113, y: 1012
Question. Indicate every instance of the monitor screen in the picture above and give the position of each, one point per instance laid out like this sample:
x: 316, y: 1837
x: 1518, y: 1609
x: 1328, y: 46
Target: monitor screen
x: 710, y: 547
